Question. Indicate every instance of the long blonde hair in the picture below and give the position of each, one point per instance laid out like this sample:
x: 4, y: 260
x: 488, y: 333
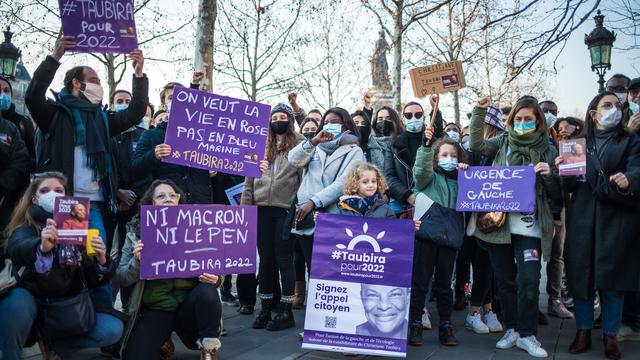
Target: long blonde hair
x: 21, y: 211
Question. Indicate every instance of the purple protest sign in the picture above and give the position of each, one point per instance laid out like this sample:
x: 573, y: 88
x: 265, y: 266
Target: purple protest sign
x: 100, y: 26
x: 219, y: 133
x: 497, y: 188
x: 188, y: 240
x: 358, y: 264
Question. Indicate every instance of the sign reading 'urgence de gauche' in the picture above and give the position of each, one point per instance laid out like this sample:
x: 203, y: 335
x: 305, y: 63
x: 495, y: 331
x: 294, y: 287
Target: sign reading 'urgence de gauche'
x: 100, y: 26
x: 360, y: 285
x: 214, y: 132
x: 186, y: 241
x: 497, y: 188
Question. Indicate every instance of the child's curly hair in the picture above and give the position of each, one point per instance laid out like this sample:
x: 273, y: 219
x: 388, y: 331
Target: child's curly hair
x: 351, y: 183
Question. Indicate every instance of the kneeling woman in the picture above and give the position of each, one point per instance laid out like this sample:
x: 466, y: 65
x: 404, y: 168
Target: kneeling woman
x: 191, y: 307
x: 55, y: 271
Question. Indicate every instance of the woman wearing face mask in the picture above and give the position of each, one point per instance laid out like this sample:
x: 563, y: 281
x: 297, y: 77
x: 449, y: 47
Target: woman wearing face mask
x: 373, y: 147
x: 309, y: 128
x: 602, y: 224
x: 54, y: 271
x: 524, y: 236
x: 453, y: 132
x: 190, y: 307
x: 400, y: 159
x: 273, y: 194
x: 386, y: 124
x: 326, y: 158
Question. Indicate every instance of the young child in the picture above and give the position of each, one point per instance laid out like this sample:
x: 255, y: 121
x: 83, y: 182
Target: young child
x: 435, y: 175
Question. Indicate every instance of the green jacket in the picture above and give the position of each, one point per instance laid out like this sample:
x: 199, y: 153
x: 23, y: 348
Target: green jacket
x: 497, y: 147
x: 436, y: 186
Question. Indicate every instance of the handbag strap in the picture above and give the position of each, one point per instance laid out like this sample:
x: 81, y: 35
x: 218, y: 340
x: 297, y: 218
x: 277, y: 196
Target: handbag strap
x: 340, y: 168
x: 422, y: 205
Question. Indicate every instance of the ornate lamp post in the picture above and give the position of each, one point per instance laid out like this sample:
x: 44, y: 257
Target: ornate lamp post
x: 600, y: 41
x: 9, y: 56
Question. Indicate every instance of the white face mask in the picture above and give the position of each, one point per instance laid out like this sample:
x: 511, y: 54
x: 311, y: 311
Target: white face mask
x: 610, y: 118
x: 144, y: 123
x: 622, y: 96
x: 93, y: 92
x: 47, y: 200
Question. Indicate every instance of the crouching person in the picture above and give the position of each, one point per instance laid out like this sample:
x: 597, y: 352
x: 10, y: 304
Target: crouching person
x: 58, y: 274
x: 191, y: 307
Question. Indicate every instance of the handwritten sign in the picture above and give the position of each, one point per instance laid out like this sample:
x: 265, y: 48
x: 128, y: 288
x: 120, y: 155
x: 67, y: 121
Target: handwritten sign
x: 214, y: 132
x: 437, y: 78
x: 100, y: 26
x: 71, y: 215
x: 497, y: 188
x: 188, y: 240
x: 574, y: 157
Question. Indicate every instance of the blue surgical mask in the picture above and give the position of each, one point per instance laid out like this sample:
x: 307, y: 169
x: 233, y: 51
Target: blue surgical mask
x: 414, y: 125
x: 448, y: 163
x: 335, y: 129
x: 524, y: 127
x: 144, y: 123
x: 120, y: 107
x: 169, y: 108
x: 634, y: 107
x: 5, y: 101
x: 453, y: 135
x: 550, y: 118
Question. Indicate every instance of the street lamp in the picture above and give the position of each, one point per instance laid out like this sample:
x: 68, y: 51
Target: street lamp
x: 600, y: 42
x: 9, y: 56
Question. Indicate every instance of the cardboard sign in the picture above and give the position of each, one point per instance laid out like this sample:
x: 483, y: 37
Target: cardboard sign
x: 214, y: 132
x: 360, y: 285
x: 100, y: 26
x: 71, y: 215
x: 437, y: 78
x: 574, y: 156
x: 497, y: 188
x: 186, y: 241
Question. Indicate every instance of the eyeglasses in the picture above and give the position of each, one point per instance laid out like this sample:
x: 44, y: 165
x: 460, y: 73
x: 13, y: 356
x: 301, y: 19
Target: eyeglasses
x: 410, y: 116
x: 165, y: 197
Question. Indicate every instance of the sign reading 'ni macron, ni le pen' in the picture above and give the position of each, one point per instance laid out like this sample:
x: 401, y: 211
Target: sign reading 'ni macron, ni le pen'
x: 360, y: 285
x: 219, y: 133
x: 497, y: 188
x: 186, y: 241
x: 100, y: 26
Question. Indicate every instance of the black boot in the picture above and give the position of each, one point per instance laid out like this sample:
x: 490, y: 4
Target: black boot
x: 415, y: 334
x: 264, y: 316
x: 283, y: 319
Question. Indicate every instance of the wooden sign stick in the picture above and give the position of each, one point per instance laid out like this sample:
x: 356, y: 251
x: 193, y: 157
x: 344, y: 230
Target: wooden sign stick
x: 434, y: 111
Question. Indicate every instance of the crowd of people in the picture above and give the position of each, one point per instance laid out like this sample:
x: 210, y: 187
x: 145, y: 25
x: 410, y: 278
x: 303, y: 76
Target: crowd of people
x: 370, y: 163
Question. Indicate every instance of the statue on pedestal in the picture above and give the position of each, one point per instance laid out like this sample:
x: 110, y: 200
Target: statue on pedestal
x: 381, y: 85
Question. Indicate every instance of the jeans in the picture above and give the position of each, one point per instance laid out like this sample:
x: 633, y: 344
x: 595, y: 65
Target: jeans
x: 275, y: 253
x: 197, y: 317
x: 463, y: 264
x: 306, y: 244
x: 481, y: 292
x: 631, y: 310
x: 298, y: 261
x: 555, y: 266
x: 437, y: 261
x: 611, y: 302
x: 518, y: 281
x: 107, y: 331
x: 18, y: 311
x: 102, y: 294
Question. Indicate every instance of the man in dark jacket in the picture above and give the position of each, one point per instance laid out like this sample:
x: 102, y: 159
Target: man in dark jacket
x: 23, y: 123
x: 14, y: 169
x: 196, y: 183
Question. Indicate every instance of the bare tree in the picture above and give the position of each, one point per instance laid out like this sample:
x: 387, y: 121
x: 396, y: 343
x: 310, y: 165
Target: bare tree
x: 255, y: 39
x: 207, y: 13
x: 402, y: 15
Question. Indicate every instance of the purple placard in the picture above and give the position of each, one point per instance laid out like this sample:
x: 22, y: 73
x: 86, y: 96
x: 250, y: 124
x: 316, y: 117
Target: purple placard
x: 497, y: 188
x: 185, y: 241
x: 358, y: 264
x: 71, y: 215
x: 100, y: 26
x: 218, y: 133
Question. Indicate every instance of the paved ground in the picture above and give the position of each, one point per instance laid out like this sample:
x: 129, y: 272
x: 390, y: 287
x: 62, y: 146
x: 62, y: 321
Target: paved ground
x: 245, y: 343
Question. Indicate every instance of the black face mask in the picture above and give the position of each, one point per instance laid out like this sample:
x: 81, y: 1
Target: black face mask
x: 384, y: 128
x: 309, y: 134
x: 279, y: 127
x: 364, y: 132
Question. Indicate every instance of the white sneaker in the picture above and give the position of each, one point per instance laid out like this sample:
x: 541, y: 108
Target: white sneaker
x: 426, y: 322
x: 474, y: 322
x: 508, y: 340
x: 626, y: 333
x: 491, y: 319
x: 531, y: 345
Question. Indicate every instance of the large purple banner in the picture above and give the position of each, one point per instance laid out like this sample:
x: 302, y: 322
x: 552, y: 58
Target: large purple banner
x: 497, y: 188
x: 100, y: 26
x: 214, y: 132
x: 360, y: 285
x: 188, y: 240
